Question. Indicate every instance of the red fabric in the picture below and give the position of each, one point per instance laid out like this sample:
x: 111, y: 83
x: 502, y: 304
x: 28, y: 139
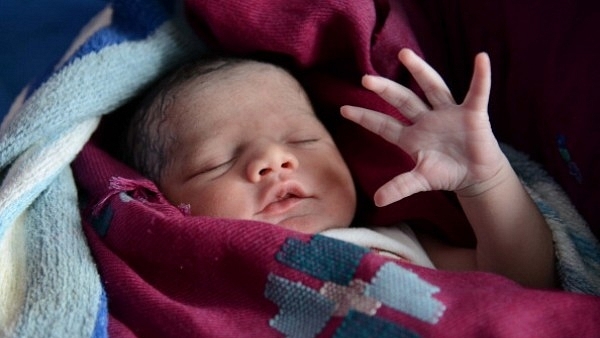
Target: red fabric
x: 171, y: 275
x: 167, y: 274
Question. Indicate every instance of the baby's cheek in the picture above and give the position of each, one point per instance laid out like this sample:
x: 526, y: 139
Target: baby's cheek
x: 221, y: 202
x: 340, y: 193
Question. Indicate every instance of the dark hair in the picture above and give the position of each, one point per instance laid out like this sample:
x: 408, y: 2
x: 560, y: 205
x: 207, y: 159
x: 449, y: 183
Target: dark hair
x: 149, y: 139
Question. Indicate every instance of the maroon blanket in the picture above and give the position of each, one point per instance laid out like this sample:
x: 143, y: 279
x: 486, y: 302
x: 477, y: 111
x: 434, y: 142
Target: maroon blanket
x: 168, y: 274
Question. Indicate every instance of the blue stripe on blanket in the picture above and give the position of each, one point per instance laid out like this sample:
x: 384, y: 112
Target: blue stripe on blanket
x: 101, y: 328
x: 149, y: 15
x: 95, y: 85
x: 64, y: 107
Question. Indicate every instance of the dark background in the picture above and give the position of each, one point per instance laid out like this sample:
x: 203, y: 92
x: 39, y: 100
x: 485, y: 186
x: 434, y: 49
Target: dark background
x: 33, y: 36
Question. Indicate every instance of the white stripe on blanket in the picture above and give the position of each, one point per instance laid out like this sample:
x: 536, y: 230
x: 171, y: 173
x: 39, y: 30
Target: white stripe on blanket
x: 12, y: 275
x: 42, y: 243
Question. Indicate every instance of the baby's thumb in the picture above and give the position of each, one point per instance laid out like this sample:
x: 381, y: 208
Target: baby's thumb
x: 397, y: 188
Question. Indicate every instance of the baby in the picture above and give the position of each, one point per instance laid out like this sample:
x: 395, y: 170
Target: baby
x: 239, y: 139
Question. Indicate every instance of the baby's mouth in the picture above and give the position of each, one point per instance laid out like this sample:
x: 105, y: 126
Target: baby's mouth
x: 282, y: 199
x: 282, y: 204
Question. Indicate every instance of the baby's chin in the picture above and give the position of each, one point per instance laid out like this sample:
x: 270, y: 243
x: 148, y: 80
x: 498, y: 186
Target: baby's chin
x: 310, y: 224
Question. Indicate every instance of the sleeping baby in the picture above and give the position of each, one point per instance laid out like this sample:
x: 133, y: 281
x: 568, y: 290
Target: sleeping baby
x: 238, y: 138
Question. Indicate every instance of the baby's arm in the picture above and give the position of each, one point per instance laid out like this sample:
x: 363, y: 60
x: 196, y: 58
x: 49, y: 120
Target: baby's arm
x: 454, y: 149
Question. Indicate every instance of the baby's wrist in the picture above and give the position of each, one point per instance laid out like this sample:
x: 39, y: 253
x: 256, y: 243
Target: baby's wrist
x: 504, y: 174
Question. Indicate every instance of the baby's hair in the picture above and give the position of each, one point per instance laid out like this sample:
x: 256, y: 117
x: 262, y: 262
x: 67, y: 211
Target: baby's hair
x: 149, y: 138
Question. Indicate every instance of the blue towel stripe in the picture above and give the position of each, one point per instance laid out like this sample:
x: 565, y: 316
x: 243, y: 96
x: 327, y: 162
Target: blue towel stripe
x: 133, y: 20
x: 112, y: 66
x: 101, y: 327
x: 48, y: 112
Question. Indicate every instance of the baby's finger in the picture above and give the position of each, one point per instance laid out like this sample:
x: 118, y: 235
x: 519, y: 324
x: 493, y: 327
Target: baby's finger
x: 402, y: 98
x: 399, y: 187
x: 381, y: 124
x: 429, y: 80
x: 478, y: 96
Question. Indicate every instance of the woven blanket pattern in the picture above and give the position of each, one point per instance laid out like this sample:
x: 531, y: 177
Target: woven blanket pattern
x: 89, y: 248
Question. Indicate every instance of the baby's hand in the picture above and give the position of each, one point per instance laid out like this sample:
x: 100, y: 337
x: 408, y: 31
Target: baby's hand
x: 452, y: 144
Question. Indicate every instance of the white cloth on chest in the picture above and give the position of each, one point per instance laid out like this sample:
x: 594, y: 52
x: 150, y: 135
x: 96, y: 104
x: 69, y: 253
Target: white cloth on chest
x: 398, y: 240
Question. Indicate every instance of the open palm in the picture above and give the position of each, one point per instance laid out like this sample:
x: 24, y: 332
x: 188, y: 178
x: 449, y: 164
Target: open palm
x: 452, y: 144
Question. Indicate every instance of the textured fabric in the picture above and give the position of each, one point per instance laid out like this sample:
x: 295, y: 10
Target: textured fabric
x: 49, y: 285
x: 170, y: 274
x: 577, y: 249
x: 33, y: 35
x: 166, y: 274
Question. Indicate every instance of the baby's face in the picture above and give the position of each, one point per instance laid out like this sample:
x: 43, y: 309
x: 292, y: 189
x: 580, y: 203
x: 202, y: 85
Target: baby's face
x: 250, y: 147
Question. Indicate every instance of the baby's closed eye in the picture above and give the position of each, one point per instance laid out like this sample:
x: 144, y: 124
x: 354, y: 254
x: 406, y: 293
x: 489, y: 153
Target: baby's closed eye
x: 303, y: 141
x: 213, y: 168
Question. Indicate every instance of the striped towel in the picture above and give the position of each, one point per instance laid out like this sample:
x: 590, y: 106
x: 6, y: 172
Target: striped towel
x: 49, y: 285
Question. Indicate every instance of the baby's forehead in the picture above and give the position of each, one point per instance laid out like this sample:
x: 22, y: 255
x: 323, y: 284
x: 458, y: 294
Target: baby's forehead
x: 248, y: 72
x: 243, y: 72
x: 252, y: 78
x: 224, y: 94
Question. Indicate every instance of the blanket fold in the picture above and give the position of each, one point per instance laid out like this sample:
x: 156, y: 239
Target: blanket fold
x: 88, y: 247
x: 41, y: 135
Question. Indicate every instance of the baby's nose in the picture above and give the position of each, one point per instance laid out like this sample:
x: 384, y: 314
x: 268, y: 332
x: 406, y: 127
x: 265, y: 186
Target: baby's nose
x: 272, y: 160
